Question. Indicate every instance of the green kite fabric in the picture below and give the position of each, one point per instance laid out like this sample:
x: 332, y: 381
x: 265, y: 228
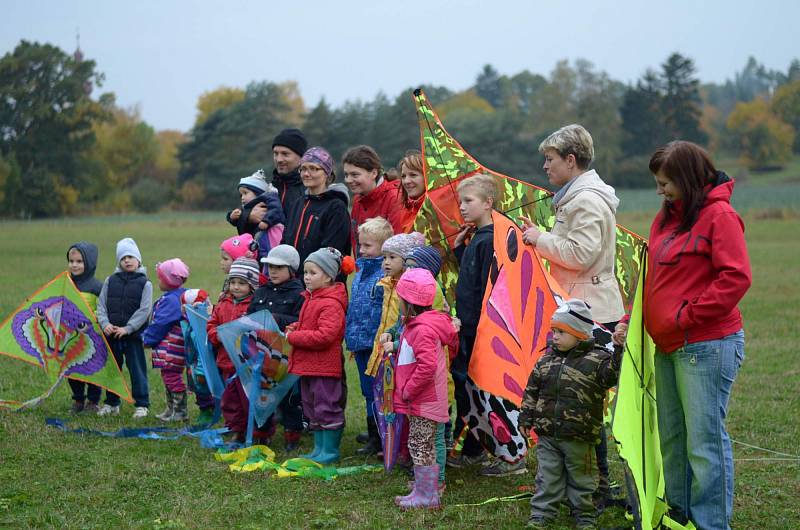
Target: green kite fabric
x: 56, y: 330
x: 262, y: 458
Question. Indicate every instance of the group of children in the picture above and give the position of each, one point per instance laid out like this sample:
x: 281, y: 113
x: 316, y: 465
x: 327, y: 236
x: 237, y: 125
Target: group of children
x: 395, y: 308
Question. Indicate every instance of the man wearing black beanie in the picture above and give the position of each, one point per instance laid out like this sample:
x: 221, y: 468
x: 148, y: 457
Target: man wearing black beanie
x: 287, y: 148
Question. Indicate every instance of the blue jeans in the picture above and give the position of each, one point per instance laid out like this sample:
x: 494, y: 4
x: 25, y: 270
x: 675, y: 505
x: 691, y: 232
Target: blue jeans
x: 130, y: 351
x: 693, y: 386
x: 362, y: 357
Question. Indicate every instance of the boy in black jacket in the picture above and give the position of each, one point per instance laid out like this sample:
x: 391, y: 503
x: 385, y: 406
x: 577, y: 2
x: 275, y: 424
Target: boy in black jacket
x: 477, y: 195
x: 282, y: 297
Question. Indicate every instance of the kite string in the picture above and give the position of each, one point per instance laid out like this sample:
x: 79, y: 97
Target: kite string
x: 791, y: 457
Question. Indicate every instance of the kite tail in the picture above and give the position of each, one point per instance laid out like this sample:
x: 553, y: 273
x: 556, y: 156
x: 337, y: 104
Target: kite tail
x: 35, y: 401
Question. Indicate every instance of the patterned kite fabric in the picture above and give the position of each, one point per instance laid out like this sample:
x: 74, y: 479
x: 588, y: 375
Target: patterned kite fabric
x: 56, y: 330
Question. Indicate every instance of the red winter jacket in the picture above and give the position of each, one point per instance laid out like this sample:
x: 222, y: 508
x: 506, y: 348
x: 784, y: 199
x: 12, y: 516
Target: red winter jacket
x: 695, y: 279
x: 407, y: 213
x: 226, y: 310
x: 384, y: 201
x: 318, y: 333
x: 421, y: 375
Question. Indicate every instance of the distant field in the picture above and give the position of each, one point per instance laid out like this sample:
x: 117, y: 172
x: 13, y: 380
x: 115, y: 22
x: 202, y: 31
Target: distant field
x: 50, y: 479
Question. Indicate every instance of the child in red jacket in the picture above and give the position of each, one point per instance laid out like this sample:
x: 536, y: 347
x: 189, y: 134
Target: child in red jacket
x: 421, y: 380
x: 242, y: 280
x: 316, y: 356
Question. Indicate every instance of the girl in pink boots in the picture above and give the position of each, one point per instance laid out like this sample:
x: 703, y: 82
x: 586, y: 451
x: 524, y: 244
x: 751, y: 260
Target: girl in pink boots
x: 421, y: 380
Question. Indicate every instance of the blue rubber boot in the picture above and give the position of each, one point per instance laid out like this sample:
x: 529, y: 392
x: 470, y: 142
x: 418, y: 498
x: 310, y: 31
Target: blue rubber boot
x: 330, y: 451
x: 318, y: 446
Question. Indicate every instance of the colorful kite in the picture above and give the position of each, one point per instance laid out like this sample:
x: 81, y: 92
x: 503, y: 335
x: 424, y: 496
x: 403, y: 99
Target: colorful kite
x: 262, y: 458
x: 390, y: 423
x: 260, y: 354
x: 199, y: 355
x: 56, y: 330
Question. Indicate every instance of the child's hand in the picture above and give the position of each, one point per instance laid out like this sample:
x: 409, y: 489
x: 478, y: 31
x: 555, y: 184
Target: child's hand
x: 456, y: 323
x: 109, y: 329
x: 290, y: 327
x: 236, y: 214
x: 263, y: 226
x: 388, y: 347
x: 385, y: 337
x: 465, y: 230
x: 620, y: 334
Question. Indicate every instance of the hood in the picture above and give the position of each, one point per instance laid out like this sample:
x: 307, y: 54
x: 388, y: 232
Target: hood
x: 368, y: 265
x: 721, y: 189
x: 591, y: 181
x: 337, y: 190
x: 439, y: 321
x: 272, y: 201
x: 89, y: 253
x: 291, y: 178
x: 337, y: 292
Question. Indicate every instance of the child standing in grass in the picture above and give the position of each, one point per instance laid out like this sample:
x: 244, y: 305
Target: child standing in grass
x: 563, y: 404
x: 316, y: 357
x: 364, y: 314
x: 82, y: 262
x: 165, y: 336
x: 421, y: 381
x: 242, y: 281
x: 122, y: 311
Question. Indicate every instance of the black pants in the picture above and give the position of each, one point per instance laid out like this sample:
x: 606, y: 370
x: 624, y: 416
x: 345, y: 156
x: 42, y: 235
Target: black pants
x: 82, y: 391
x: 459, y: 370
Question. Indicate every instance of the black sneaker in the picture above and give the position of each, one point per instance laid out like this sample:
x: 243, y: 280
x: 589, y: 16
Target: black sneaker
x: 501, y: 468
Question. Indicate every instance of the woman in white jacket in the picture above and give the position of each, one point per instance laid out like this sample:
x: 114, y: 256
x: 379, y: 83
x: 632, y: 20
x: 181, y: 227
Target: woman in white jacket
x: 582, y: 244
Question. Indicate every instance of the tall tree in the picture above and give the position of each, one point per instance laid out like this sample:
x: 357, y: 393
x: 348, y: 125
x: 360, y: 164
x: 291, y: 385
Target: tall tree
x: 214, y: 100
x: 764, y: 140
x: 786, y: 105
x: 642, y: 122
x: 681, y: 101
x: 488, y: 85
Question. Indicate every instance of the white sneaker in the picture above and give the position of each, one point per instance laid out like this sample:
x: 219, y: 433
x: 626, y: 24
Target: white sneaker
x: 140, y: 412
x: 108, y: 410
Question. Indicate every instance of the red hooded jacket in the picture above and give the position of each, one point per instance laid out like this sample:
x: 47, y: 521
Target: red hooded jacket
x: 317, y: 336
x: 695, y: 279
x: 226, y: 310
x: 384, y: 201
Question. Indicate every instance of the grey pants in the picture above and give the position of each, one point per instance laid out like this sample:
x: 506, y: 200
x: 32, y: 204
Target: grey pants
x: 566, y: 469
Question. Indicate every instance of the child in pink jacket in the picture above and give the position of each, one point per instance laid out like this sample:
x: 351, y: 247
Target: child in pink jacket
x: 421, y: 380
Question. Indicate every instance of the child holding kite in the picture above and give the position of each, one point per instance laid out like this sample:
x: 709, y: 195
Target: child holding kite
x: 316, y: 357
x: 421, y: 380
x: 82, y: 263
x: 242, y: 281
x: 165, y: 336
x: 364, y: 315
x: 563, y: 404
x: 123, y: 308
x: 282, y: 296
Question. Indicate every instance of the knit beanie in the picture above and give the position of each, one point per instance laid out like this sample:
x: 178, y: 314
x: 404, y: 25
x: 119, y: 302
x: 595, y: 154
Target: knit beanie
x: 573, y: 317
x: 127, y: 247
x: 257, y: 183
x: 328, y: 259
x: 294, y: 139
x: 238, y: 246
x: 403, y: 244
x: 246, y: 269
x: 172, y: 272
x: 283, y: 256
x: 320, y: 157
x: 194, y: 296
x: 427, y: 258
x: 417, y: 286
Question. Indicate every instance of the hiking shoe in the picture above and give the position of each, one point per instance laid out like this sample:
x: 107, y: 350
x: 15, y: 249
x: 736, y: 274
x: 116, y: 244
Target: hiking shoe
x: 108, y: 410
x: 91, y: 408
x: 362, y: 437
x: 139, y: 412
x: 536, y: 521
x: 501, y: 468
x: 77, y: 407
x: 463, y: 460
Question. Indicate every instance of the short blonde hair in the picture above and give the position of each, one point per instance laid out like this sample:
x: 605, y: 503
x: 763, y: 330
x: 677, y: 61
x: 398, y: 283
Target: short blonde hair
x: 377, y: 227
x: 483, y: 184
x: 571, y: 140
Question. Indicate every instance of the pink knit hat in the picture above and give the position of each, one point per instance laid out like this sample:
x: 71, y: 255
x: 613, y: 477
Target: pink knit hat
x: 172, y: 272
x: 417, y: 286
x: 238, y: 246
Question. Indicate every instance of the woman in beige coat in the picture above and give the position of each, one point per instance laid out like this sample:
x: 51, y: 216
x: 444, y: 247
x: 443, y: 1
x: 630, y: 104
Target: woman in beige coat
x: 582, y: 244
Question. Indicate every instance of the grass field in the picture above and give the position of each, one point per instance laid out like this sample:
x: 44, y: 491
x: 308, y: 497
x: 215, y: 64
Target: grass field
x: 51, y: 479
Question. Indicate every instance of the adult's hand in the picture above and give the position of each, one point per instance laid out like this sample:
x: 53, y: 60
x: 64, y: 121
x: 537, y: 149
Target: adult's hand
x: 531, y: 233
x: 257, y: 213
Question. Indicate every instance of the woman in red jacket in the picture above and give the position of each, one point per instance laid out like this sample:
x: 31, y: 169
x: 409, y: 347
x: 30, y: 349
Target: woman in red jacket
x: 698, y: 271
x: 373, y: 195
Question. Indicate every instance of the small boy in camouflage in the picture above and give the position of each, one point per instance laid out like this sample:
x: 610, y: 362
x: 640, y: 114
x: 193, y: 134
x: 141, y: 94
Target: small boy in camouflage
x: 563, y: 403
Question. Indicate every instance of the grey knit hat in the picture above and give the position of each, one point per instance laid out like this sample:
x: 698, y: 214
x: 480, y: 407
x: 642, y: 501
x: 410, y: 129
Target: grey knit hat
x: 257, y: 183
x: 128, y: 247
x: 246, y: 269
x: 328, y: 259
x: 575, y: 318
x: 403, y: 244
x: 283, y: 256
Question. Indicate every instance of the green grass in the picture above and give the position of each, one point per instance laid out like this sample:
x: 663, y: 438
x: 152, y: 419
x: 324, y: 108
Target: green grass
x: 52, y: 479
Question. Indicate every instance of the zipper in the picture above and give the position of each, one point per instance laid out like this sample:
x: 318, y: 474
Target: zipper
x: 300, y: 226
x: 308, y: 226
x: 558, y: 393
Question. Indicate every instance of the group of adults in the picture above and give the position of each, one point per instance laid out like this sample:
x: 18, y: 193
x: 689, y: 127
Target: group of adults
x: 697, y: 271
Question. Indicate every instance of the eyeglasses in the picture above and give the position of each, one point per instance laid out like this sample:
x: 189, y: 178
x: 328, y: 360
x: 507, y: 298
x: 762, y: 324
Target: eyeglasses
x: 310, y: 169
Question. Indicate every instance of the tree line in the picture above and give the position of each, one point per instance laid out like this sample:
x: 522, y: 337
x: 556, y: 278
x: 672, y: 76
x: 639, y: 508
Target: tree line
x: 65, y: 149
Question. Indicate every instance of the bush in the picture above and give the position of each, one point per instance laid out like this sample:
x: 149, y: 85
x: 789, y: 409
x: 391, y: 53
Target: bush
x: 149, y: 196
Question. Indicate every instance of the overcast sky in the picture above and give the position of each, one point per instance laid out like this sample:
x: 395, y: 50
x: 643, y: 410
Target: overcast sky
x: 163, y: 55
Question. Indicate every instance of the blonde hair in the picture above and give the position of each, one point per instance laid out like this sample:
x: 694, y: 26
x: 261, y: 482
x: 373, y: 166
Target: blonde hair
x: 377, y: 227
x: 571, y: 140
x: 484, y: 184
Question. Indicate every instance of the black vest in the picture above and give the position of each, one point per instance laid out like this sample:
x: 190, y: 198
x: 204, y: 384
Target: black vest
x: 124, y: 296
